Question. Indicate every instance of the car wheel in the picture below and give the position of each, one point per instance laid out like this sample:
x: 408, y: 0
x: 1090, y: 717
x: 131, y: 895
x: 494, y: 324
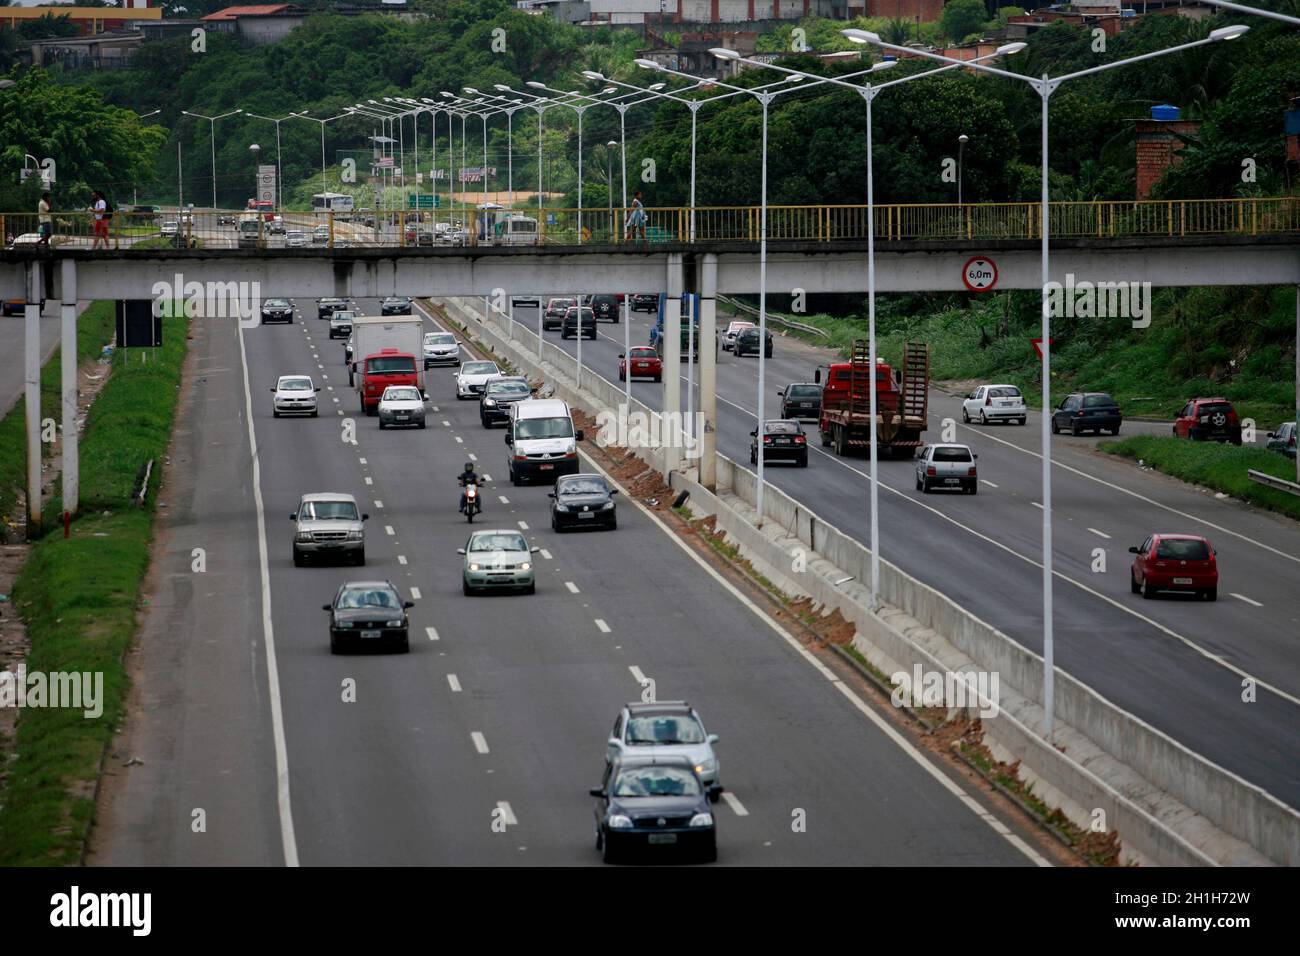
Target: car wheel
x: 1133, y: 586
x: 803, y: 462
x: 1212, y: 594
x: 1022, y: 421
x: 404, y: 646
x: 531, y: 589
x: 382, y: 426
x: 925, y: 487
x: 465, y: 588
x: 606, y: 852
x: 983, y: 419
x: 360, y: 559
x: 298, y: 559
x: 753, y: 457
x: 334, y: 645
x: 515, y: 479
x: 1074, y: 430
x: 918, y: 484
x: 841, y: 443
x: 826, y: 437
x: 621, y: 377
x: 965, y: 417
x: 1115, y: 430
x: 710, y: 855
x: 275, y: 414
x: 1147, y: 591
x: 613, y: 523
x: 1056, y: 430
x: 972, y: 488
x: 659, y: 378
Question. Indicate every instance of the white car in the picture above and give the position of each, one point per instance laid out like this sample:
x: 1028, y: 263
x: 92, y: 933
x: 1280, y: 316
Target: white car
x: 401, y: 405
x: 994, y: 403
x: 320, y: 234
x: 441, y: 348
x: 169, y: 227
x: 294, y: 395
x: 947, y: 466
x: 669, y: 728
x: 295, y: 239
x: 734, y: 329
x: 472, y: 378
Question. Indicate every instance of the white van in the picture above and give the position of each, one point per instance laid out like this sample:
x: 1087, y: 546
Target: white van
x: 543, y: 442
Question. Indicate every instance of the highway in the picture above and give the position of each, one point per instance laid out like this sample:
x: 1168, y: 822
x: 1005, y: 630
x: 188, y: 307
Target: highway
x: 1175, y: 662
x: 502, y: 708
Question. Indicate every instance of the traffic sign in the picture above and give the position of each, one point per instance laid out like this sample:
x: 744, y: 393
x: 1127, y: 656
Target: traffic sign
x: 980, y: 273
x: 420, y: 202
x: 1038, y: 346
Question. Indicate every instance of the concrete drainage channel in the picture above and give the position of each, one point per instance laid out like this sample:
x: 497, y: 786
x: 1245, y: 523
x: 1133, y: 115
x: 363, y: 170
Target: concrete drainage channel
x: 1170, y: 806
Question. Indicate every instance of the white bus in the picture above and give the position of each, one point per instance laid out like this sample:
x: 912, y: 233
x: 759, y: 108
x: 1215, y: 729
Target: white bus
x: 331, y: 202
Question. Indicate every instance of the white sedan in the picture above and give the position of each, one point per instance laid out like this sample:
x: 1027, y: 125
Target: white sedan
x: 401, y: 405
x: 295, y: 239
x: 294, y: 395
x: 472, y: 378
x: 994, y: 403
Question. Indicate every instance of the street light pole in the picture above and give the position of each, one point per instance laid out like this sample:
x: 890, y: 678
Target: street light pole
x: 962, y: 140
x: 279, y: 169
x: 302, y: 114
x: 212, y: 126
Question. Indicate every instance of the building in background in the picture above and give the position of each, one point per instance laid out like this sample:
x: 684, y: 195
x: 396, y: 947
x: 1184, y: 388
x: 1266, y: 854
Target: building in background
x: 1159, y: 141
x: 88, y: 20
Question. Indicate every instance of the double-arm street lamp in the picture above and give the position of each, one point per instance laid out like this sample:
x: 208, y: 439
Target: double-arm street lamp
x: 279, y: 170
x: 212, y: 127
x: 302, y: 114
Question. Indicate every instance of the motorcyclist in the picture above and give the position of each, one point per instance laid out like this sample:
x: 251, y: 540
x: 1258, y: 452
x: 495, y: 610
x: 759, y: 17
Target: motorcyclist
x: 466, y: 477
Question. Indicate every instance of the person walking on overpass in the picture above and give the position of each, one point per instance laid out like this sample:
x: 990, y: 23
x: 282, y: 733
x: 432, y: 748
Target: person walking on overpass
x: 46, y: 227
x: 100, y: 207
x: 636, y: 219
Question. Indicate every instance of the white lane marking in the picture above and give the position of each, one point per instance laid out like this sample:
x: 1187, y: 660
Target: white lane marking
x: 602, y: 626
x: 455, y: 684
x: 362, y: 460
x: 523, y: 526
x: 415, y: 594
x: 987, y: 482
x: 486, y: 476
x: 459, y: 440
x: 401, y: 559
x: 1037, y: 504
x: 1100, y: 534
x: 336, y: 399
x: 431, y: 633
x: 1141, y: 497
x: 573, y: 588
x: 504, y: 499
x: 288, y: 843
x: 546, y: 554
x: 733, y: 801
x: 636, y: 674
x: 388, y: 530
x: 369, y: 480
x: 326, y: 377
x: 318, y: 364
x: 447, y: 423
x: 378, y: 503
x: 1242, y: 597
x: 480, y: 742
x: 507, y: 815
x: 329, y: 388
x: 473, y: 457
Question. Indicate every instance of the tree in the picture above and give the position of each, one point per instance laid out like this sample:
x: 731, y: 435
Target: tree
x: 961, y: 18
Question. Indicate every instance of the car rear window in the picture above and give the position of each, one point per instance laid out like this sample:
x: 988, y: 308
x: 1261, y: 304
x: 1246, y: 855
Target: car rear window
x: 644, y: 353
x: 779, y: 427
x: 1209, y: 408
x: 390, y: 365
x: 951, y: 454
x: 803, y: 391
x: 1181, y: 549
x: 664, y: 730
x: 1097, y: 401
x: 1004, y: 392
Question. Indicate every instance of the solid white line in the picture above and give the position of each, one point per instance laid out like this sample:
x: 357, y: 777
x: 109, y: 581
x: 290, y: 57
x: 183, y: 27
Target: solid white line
x: 401, y: 559
x: 455, y: 684
x: 636, y: 674
x: 388, y: 529
x: 480, y: 742
x: 1100, y: 534
x: 733, y: 801
x: 432, y: 633
x: 507, y: 815
x: 288, y: 843
x: 573, y: 588
x: 602, y: 626
x: 1242, y: 597
x: 523, y: 526
x: 415, y: 594
x: 546, y: 554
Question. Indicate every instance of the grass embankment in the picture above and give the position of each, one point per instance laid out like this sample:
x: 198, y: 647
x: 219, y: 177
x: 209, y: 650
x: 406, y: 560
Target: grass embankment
x: 1233, y: 342
x: 1220, y: 467
x: 94, y: 331
x: 79, y: 598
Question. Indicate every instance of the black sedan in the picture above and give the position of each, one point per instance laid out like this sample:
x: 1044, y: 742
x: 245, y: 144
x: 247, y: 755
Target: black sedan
x: 645, y: 302
x: 277, y: 310
x: 327, y: 307
x: 369, y: 614
x: 801, y: 400
x: 747, y: 343
x: 498, y: 396
x: 396, y: 305
x: 581, y: 501
x: 654, y: 805
x: 783, y: 440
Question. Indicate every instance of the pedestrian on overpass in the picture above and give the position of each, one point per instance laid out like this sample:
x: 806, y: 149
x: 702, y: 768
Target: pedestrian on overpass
x: 100, y: 206
x: 636, y: 219
x: 46, y: 220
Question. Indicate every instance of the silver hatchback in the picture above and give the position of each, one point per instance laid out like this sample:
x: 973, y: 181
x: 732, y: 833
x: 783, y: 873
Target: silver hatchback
x: 668, y: 728
x: 947, y: 466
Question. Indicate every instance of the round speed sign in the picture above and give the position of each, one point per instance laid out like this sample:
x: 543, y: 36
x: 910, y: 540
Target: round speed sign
x: 980, y: 274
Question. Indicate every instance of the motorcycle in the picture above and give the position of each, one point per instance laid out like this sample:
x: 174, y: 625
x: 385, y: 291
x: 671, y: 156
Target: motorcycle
x: 472, y: 507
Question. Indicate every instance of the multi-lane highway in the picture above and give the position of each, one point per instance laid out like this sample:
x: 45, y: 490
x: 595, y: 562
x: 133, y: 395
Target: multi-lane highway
x: 1178, y: 663
x: 500, y: 712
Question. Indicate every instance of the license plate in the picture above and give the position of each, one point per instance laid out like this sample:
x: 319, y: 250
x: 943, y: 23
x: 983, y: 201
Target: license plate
x: 371, y: 633
x: 783, y: 441
x: 1182, y: 580
x: 658, y: 838
x: 547, y: 467
x: 586, y: 514
x: 642, y: 365
x: 951, y: 481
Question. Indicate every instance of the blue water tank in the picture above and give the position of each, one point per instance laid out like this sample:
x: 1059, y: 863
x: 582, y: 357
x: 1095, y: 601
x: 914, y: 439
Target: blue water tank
x: 1165, y: 112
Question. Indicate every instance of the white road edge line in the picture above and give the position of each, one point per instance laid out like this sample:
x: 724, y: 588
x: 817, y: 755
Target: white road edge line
x: 288, y: 842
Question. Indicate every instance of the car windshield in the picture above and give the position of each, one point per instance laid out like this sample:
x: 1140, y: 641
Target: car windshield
x: 351, y: 598
x: 1182, y: 549
x: 341, y: 317
x: 508, y: 388
x: 951, y: 454
x: 780, y: 427
x: 390, y: 365
x: 397, y: 301
x: 560, y: 427
x: 664, y: 729
x: 803, y: 391
x: 440, y: 338
x: 328, y: 511
x: 401, y: 395
x: 479, y: 368
x: 583, y: 486
x: 276, y: 304
x: 656, y: 782
x: 1005, y: 391
x: 295, y: 384
x: 1096, y: 401
x: 498, y: 541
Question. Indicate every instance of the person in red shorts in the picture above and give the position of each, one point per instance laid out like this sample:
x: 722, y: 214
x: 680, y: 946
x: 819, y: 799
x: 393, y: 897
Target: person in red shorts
x: 101, y: 219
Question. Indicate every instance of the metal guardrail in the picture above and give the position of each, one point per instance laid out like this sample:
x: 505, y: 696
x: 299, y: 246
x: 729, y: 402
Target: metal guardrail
x: 776, y: 317
x: 824, y: 223
x: 1281, y: 484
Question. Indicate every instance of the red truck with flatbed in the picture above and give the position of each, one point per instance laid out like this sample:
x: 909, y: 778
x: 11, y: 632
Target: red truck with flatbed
x: 902, y: 400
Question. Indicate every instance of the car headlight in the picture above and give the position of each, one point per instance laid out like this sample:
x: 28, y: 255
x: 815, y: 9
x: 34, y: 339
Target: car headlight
x: 707, y: 766
x: 702, y: 820
x: 356, y: 535
x: 475, y: 567
x: 304, y: 535
x: 621, y: 821
x: 342, y: 624
x: 607, y: 506
x: 394, y: 623
x: 525, y: 566
x: 561, y: 507
x: 491, y: 402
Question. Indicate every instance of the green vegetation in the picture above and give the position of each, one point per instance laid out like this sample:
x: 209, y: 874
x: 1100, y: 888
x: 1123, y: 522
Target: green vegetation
x: 1219, y: 467
x: 79, y: 598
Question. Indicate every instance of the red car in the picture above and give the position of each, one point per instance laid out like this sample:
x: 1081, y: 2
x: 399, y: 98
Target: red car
x: 1208, y: 419
x: 1175, y: 562
x: 645, y: 362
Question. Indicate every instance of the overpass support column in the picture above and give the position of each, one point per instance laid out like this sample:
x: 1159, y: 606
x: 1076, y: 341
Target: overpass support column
x: 32, y: 395
x: 68, y: 360
x: 1297, y: 374
x: 669, y: 434
x: 707, y: 436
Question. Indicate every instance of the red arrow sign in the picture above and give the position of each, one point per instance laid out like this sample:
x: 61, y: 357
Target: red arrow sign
x: 1038, y: 346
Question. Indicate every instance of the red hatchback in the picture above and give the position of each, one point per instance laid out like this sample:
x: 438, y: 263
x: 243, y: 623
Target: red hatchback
x: 1175, y: 562
x: 1208, y: 419
x: 645, y: 363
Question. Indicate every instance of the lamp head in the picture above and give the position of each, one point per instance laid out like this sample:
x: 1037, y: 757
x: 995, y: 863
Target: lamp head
x: 593, y: 75
x: 861, y: 36
x: 1228, y: 33
x: 536, y: 85
x: 722, y: 53
x: 647, y: 64
x: 883, y: 65
x: 1009, y: 49
x: 656, y: 87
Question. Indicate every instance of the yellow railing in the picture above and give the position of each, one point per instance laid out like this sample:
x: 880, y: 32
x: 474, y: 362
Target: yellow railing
x: 896, y: 222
